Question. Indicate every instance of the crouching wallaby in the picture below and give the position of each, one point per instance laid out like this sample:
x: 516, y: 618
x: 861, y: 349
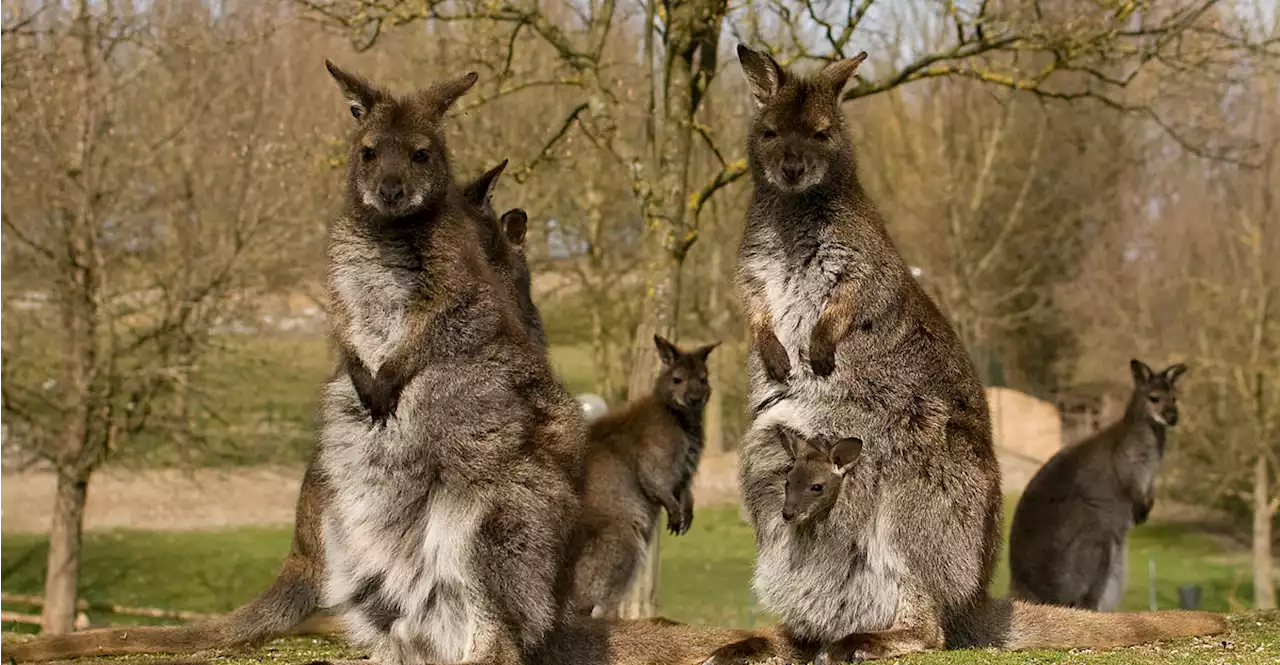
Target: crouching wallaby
x: 1067, y: 544
x: 291, y: 604
x: 845, y: 340
x: 818, y: 467
x: 640, y: 459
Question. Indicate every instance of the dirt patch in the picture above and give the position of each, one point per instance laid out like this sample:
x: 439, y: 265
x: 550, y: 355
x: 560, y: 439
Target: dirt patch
x: 173, y: 500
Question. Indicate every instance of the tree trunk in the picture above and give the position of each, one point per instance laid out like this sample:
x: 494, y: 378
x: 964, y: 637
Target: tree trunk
x: 690, y: 41
x: 1264, y: 587
x: 63, y: 572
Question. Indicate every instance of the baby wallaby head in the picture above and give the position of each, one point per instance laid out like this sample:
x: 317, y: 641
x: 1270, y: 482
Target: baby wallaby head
x: 797, y: 138
x: 398, y: 164
x: 1156, y: 391
x: 684, y: 382
x: 818, y: 466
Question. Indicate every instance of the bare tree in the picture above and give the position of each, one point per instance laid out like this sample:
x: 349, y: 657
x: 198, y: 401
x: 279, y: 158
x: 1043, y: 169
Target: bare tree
x: 126, y: 238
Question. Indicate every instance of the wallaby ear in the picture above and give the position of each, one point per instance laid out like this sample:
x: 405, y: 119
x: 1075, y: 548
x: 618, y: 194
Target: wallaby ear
x: 666, y: 350
x: 702, y: 352
x: 478, y: 191
x: 360, y: 94
x: 1141, y: 373
x: 1173, y: 372
x: 448, y: 92
x: 514, y: 223
x: 845, y: 453
x: 764, y: 74
x: 836, y: 75
x: 791, y: 441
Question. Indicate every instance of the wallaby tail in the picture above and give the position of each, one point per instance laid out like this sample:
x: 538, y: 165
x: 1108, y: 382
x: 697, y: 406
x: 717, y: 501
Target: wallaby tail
x: 659, y: 641
x: 1014, y: 624
x: 291, y: 599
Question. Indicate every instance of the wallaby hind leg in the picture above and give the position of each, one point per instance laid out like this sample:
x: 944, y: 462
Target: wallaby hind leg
x: 917, y: 628
x: 1114, y: 582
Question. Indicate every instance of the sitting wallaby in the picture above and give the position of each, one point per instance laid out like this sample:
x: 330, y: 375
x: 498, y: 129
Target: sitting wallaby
x: 1067, y: 544
x: 818, y: 466
x: 292, y: 601
x: 640, y: 459
x: 844, y: 339
x: 453, y: 455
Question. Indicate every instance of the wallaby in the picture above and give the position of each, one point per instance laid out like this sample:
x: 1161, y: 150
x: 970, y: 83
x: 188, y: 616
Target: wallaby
x: 1067, y: 544
x: 290, y: 605
x: 818, y: 466
x: 510, y: 243
x: 845, y: 340
x: 640, y: 459
x: 453, y: 455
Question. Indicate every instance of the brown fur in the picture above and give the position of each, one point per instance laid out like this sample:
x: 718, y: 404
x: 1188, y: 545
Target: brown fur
x: 640, y: 459
x: 903, y: 561
x: 818, y: 467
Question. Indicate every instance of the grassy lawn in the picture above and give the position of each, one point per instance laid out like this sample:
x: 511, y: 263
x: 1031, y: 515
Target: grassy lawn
x: 705, y: 579
x: 705, y: 575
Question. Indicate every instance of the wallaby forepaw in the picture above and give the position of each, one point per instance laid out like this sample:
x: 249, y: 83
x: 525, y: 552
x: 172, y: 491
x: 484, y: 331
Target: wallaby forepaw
x: 776, y: 363
x: 822, y: 357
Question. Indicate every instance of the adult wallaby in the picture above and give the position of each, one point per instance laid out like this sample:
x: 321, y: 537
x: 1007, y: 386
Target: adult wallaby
x: 640, y: 459
x: 818, y: 467
x: 453, y: 455
x: 290, y: 605
x: 845, y: 341
x: 1067, y: 544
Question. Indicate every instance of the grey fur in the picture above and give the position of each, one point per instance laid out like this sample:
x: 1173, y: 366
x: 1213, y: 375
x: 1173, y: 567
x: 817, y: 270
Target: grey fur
x: 472, y: 478
x: 900, y: 378
x: 1067, y: 545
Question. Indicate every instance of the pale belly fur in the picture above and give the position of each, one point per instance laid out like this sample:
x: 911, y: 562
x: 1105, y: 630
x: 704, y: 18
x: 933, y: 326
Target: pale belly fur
x: 834, y: 577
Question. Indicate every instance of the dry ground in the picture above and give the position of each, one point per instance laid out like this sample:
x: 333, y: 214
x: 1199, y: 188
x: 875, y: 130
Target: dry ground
x: 178, y: 500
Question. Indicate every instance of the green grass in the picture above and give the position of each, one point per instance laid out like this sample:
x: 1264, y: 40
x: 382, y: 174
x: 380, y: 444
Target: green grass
x: 705, y: 575
x: 705, y: 579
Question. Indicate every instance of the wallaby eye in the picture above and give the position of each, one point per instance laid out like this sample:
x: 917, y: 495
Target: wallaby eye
x: 770, y: 134
x: 816, y: 487
x: 821, y: 136
x: 1154, y: 399
x: 420, y: 156
x: 367, y: 154
x: 677, y: 380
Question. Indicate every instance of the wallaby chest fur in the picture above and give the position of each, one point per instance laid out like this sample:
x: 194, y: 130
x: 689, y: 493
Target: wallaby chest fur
x: 1067, y: 542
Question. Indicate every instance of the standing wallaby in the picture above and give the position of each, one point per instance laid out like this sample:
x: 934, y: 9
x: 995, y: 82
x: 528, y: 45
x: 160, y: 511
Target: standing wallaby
x: 640, y: 459
x: 453, y: 455
x: 818, y: 466
x: 845, y: 340
x: 294, y: 597
x: 1067, y: 544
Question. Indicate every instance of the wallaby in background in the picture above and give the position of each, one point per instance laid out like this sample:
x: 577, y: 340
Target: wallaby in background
x: 509, y: 243
x: 845, y: 340
x: 1067, y: 544
x: 291, y: 604
x: 453, y: 455
x: 818, y: 467
x: 640, y: 459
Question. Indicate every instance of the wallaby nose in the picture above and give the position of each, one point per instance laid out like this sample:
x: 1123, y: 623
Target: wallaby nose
x: 1171, y: 417
x: 787, y: 515
x: 792, y: 172
x: 391, y: 192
